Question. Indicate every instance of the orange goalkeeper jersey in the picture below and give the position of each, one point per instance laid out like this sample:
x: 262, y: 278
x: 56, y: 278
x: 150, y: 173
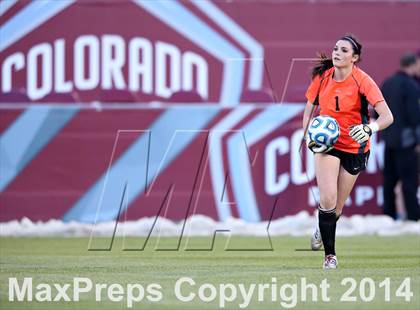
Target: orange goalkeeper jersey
x: 347, y: 101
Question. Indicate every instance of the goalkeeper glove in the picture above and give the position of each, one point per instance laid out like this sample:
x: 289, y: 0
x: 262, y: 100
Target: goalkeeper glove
x: 361, y: 133
x: 316, y: 148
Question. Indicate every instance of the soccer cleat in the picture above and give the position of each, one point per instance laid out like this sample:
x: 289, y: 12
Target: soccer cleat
x: 316, y: 240
x: 330, y: 262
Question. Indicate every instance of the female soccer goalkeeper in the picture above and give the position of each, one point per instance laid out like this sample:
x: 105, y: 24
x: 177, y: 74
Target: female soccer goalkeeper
x: 343, y: 91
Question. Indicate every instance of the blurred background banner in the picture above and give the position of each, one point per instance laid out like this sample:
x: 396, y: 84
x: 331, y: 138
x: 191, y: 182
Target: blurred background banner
x: 126, y: 109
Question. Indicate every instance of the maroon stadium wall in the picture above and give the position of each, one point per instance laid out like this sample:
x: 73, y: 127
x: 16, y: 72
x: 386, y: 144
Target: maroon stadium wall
x: 175, y: 108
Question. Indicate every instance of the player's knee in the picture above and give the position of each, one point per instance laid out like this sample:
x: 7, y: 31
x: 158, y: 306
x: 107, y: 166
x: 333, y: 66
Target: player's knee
x: 328, y: 201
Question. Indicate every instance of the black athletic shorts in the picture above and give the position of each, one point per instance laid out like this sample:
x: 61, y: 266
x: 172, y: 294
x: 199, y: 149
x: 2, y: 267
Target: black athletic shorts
x: 352, y: 163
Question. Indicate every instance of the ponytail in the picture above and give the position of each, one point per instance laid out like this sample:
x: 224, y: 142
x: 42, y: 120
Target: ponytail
x: 321, y: 65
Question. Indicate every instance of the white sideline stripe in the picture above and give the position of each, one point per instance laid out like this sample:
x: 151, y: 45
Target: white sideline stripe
x: 301, y: 224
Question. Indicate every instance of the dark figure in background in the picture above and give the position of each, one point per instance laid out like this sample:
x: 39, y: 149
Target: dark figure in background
x: 417, y: 74
x: 402, y: 139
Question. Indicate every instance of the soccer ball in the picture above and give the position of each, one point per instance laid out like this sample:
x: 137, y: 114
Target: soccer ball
x: 324, y: 130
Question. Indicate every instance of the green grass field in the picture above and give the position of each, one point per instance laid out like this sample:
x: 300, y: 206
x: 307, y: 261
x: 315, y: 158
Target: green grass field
x: 59, y: 260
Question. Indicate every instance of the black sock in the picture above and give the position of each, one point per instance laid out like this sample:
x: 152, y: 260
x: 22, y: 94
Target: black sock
x: 327, y: 224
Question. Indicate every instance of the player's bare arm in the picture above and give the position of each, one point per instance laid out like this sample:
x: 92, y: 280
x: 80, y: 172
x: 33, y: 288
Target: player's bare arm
x: 385, y: 118
x: 307, y: 114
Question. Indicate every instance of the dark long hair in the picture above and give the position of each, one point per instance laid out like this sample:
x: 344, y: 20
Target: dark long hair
x: 324, y: 63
